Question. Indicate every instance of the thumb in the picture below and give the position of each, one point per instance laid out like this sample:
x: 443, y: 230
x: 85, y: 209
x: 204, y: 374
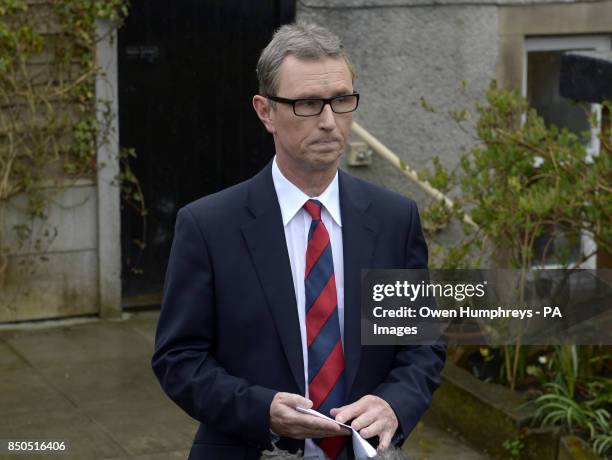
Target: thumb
x: 300, y: 401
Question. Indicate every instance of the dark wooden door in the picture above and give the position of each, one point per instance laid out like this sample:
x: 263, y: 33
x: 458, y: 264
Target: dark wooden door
x: 186, y: 79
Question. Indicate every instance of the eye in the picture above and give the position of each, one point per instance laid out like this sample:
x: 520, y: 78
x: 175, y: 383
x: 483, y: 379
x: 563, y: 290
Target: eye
x: 310, y: 103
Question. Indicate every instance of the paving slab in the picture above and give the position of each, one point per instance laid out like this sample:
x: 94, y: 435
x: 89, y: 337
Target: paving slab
x: 144, y: 428
x: 25, y: 389
x: 92, y: 385
x: 101, y: 382
x: 145, y: 324
x: 95, y: 341
x: 9, y: 359
x: 85, y: 438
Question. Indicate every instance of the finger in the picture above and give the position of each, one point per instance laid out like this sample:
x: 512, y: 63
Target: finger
x: 294, y: 400
x: 374, y: 429
x: 320, y: 428
x: 301, y: 428
x: 345, y: 432
x: 384, y: 440
x: 330, y: 426
x: 283, y: 408
x: 335, y: 432
x: 351, y: 411
x: 315, y: 423
x: 364, y: 420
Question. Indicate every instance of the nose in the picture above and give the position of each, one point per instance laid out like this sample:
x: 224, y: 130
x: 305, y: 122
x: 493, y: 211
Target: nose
x: 327, y: 120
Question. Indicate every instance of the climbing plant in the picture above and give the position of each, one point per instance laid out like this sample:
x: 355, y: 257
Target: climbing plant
x: 49, y: 128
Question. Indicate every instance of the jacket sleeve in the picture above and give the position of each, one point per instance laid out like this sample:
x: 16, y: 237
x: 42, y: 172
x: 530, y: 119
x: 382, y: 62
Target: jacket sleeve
x: 184, y: 360
x: 415, y: 373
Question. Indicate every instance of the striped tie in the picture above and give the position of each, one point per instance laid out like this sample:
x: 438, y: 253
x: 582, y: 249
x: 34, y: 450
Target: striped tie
x: 326, y: 380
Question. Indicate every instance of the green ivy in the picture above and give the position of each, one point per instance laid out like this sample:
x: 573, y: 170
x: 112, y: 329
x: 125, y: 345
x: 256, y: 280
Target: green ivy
x: 48, y: 125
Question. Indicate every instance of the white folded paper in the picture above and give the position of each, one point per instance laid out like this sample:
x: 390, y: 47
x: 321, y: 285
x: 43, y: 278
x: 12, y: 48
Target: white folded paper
x: 361, y: 447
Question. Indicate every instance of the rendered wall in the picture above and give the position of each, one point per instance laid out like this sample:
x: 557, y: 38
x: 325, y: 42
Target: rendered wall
x: 55, y: 273
x: 405, y: 53
x: 407, y: 49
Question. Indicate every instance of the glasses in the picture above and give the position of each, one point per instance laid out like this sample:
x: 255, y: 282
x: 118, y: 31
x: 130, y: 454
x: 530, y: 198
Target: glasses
x: 311, y: 107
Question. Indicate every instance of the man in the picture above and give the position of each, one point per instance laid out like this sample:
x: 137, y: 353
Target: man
x: 261, y: 309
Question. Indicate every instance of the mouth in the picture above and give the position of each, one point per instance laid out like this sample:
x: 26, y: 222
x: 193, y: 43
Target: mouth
x: 326, y: 146
x: 326, y: 142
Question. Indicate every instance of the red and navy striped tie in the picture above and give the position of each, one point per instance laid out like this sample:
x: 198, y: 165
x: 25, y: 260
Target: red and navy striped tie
x: 326, y: 376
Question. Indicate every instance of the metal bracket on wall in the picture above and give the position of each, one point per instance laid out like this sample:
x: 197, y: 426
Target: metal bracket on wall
x: 359, y: 154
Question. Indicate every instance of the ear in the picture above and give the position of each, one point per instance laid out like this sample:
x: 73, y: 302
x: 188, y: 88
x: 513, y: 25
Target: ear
x: 264, y: 112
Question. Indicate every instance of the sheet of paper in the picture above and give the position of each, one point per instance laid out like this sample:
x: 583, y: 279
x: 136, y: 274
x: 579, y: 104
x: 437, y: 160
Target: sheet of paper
x: 361, y: 447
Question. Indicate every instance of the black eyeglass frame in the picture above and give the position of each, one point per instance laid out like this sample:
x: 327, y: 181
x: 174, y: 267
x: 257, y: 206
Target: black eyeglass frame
x: 326, y: 100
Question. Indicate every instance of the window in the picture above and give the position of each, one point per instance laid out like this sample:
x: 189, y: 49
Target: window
x: 541, y: 70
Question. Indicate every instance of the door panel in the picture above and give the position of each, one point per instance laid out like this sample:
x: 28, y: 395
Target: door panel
x: 186, y: 79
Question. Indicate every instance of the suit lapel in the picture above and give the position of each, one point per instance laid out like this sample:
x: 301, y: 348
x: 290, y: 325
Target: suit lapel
x: 358, y: 240
x: 265, y: 238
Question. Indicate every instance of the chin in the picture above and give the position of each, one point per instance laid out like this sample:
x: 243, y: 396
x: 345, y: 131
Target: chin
x: 323, y: 161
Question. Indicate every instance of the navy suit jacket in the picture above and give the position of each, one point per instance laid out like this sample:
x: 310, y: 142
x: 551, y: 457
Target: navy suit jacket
x: 228, y: 336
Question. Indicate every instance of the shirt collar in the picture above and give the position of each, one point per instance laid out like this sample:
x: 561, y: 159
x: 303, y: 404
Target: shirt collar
x: 291, y: 199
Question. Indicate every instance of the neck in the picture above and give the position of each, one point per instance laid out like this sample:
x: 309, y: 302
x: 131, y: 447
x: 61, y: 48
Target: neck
x: 312, y: 183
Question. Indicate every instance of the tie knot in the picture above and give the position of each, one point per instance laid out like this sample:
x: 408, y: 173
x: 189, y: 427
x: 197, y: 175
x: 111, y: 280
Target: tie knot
x: 313, y: 207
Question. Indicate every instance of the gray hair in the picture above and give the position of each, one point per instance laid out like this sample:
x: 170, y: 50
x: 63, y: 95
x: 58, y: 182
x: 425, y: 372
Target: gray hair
x: 302, y: 40
x: 392, y: 453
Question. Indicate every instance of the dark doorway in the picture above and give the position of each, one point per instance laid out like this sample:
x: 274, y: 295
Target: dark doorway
x: 186, y: 79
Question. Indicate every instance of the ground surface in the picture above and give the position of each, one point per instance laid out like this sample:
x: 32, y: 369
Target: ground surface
x: 90, y: 384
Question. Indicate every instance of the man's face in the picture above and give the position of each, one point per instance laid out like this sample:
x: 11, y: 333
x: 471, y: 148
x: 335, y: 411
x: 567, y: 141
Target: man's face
x: 309, y: 144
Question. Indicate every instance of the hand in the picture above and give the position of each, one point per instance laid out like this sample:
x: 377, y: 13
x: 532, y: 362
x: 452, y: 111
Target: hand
x: 371, y: 416
x: 285, y: 420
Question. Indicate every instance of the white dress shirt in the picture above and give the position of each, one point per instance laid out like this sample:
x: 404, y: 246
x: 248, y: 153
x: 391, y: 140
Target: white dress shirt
x: 296, y: 222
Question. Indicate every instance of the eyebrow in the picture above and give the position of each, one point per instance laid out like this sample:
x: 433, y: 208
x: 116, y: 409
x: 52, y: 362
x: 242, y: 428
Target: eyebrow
x: 317, y: 96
